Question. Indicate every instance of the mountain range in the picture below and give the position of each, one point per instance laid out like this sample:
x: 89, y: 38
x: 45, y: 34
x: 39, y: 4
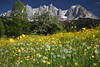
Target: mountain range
x: 73, y: 13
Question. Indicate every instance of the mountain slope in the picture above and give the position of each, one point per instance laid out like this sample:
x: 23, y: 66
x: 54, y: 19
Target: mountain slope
x: 73, y: 13
x: 77, y: 11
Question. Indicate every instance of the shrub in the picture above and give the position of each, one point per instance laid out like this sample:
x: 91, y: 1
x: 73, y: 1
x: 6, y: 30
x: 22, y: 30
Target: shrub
x: 45, y: 24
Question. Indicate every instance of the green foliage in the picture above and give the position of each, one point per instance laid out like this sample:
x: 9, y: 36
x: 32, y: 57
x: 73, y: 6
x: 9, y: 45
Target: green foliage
x: 76, y: 25
x: 16, y: 26
x: 2, y: 29
x: 17, y: 23
x: 87, y: 22
x: 70, y: 26
x: 45, y: 23
x: 19, y: 10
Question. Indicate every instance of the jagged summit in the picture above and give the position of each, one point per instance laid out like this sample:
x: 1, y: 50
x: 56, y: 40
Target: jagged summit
x: 75, y: 6
x: 73, y: 13
x: 77, y: 11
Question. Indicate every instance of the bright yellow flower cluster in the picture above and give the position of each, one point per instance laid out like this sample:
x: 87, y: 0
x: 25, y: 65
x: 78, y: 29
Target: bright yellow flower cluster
x: 11, y: 40
x: 46, y: 62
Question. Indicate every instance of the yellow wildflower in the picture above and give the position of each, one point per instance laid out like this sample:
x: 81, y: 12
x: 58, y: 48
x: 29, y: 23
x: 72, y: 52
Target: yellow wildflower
x: 76, y: 63
x: 28, y: 57
x: 16, y: 54
x: 19, y: 50
x: 61, y: 66
x: 48, y: 62
x: 34, y: 51
x: 75, y: 26
x: 16, y: 62
x: 21, y: 61
x: 18, y: 38
x: 40, y: 55
x: 94, y: 64
x: 23, y: 35
x: 11, y: 40
x: 48, y: 49
x: 92, y: 56
x: 84, y: 28
x: 89, y: 46
x: 44, y: 61
x: 93, y: 36
x: 72, y: 26
x: 33, y: 59
x: 46, y: 57
x: 85, y: 53
x: 0, y: 63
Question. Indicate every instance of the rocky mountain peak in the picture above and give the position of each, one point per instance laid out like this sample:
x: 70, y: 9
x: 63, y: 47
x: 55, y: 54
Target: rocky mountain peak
x: 77, y: 11
x: 73, y: 13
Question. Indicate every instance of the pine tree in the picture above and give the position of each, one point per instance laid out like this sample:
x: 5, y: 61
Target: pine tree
x: 19, y: 10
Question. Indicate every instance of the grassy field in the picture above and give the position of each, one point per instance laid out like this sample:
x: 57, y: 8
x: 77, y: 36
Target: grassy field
x: 70, y: 49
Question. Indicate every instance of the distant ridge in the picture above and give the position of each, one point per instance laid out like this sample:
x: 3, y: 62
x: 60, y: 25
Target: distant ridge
x: 73, y: 13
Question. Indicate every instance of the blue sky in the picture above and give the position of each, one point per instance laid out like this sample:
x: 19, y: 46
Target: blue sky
x: 91, y: 5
